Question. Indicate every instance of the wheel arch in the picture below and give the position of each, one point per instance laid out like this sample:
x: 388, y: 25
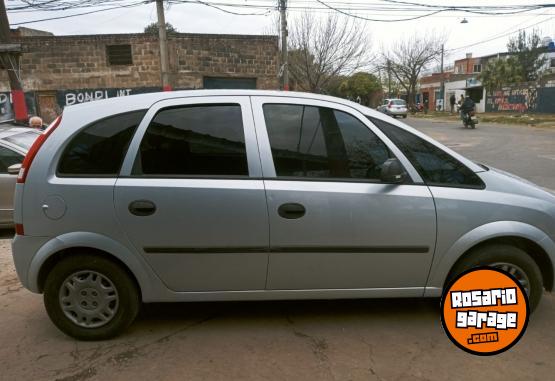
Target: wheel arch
x: 57, y: 248
x: 527, y: 237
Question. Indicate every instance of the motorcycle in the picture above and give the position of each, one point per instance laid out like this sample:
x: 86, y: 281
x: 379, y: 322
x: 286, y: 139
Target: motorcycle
x: 469, y: 119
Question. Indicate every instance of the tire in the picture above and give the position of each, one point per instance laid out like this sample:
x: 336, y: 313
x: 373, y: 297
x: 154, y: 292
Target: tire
x: 83, y: 280
x: 405, y: 116
x: 497, y: 254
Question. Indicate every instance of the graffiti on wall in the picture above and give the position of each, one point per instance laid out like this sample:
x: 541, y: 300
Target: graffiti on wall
x: 71, y: 97
x: 6, y: 107
x: 516, y: 99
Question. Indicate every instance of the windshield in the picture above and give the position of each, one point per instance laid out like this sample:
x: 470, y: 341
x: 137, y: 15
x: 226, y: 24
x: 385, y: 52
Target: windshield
x: 24, y: 140
x: 398, y: 102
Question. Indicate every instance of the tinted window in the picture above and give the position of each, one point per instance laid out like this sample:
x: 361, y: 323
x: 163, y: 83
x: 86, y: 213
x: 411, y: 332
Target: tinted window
x: 24, y: 140
x: 194, y: 140
x: 8, y: 158
x: 320, y: 142
x: 99, y: 149
x: 434, y: 165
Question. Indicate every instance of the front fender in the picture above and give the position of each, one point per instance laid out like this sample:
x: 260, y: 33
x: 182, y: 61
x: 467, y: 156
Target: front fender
x: 443, y: 263
x: 148, y: 281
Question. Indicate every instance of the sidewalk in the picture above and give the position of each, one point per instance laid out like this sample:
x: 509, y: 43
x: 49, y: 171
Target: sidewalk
x: 535, y: 120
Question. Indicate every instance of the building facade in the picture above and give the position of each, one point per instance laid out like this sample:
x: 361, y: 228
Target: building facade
x: 58, y: 71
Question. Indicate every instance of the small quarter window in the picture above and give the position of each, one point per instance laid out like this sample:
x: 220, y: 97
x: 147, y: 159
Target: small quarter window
x: 199, y: 140
x: 99, y: 149
x: 436, y: 167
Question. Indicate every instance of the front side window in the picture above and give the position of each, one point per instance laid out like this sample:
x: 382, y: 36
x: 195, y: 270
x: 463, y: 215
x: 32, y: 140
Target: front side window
x: 320, y: 142
x: 8, y: 158
x: 99, y: 149
x: 198, y: 140
x: 436, y: 167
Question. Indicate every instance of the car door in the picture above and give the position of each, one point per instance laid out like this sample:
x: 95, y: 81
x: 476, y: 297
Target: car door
x: 333, y: 223
x: 8, y: 157
x: 190, y: 195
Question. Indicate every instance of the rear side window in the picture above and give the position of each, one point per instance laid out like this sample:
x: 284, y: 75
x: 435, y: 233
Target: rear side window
x: 99, y: 149
x: 436, y: 167
x: 320, y: 142
x: 8, y: 158
x: 199, y: 140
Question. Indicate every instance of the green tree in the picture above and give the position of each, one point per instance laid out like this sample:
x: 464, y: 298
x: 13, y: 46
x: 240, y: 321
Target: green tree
x: 361, y: 85
x: 153, y: 28
x: 500, y: 72
x: 527, y: 52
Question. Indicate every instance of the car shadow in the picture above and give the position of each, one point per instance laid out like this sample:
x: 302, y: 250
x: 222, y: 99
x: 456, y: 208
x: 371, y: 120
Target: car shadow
x: 7, y: 233
x: 157, y: 316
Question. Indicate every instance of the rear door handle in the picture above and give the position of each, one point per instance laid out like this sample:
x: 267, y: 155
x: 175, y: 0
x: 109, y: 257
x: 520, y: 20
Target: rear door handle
x: 142, y: 208
x: 291, y: 210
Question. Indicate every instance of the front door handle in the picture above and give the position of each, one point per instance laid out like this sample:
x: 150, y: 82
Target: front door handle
x: 142, y: 208
x: 291, y: 210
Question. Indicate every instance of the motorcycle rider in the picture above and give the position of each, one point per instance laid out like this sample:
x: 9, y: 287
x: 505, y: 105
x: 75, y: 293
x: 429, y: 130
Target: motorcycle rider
x: 467, y: 106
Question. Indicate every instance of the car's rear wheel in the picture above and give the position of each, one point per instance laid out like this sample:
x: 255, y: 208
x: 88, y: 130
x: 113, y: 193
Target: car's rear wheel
x: 89, y: 297
x: 511, y: 259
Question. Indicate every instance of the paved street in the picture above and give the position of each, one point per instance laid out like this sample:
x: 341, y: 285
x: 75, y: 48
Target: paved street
x: 528, y: 152
x: 324, y: 340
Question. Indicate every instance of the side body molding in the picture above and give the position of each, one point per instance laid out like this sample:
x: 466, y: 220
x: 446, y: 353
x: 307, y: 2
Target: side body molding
x: 151, y: 286
x: 441, y: 267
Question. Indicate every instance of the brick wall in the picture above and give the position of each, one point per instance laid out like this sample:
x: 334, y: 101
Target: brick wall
x: 80, y: 62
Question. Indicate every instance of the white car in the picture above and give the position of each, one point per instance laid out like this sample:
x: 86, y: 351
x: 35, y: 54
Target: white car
x: 394, y: 107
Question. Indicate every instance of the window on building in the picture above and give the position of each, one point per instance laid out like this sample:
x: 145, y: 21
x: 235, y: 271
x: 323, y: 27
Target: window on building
x: 477, y: 68
x: 552, y: 63
x: 194, y: 140
x: 99, y: 149
x: 119, y: 54
x: 318, y: 142
x: 8, y: 158
x: 436, y: 167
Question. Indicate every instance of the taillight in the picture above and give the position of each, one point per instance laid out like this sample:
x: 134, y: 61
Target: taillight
x: 19, y: 229
x: 35, y: 149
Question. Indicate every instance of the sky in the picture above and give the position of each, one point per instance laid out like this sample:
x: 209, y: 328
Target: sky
x: 198, y: 18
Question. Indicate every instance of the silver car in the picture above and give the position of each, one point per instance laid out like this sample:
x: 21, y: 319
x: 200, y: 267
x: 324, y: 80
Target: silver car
x: 15, y: 141
x: 394, y: 107
x: 258, y: 195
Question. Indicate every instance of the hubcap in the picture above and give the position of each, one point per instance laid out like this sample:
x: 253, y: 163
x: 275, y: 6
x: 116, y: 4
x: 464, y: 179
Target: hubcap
x: 515, y: 271
x: 89, y: 299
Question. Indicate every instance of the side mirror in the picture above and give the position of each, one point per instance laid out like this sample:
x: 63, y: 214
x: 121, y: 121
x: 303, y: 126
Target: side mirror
x: 14, y: 169
x: 393, y: 172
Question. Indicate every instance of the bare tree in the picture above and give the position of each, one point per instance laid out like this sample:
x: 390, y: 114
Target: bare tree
x: 322, y: 48
x: 406, y: 59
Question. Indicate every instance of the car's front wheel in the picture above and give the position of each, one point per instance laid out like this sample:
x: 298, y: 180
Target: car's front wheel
x: 89, y: 297
x: 511, y: 259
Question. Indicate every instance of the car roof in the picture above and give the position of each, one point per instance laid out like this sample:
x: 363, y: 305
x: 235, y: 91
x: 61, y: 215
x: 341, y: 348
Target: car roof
x: 10, y: 129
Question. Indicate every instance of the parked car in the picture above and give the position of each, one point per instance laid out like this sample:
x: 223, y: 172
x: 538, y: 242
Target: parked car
x: 394, y: 107
x: 255, y: 195
x: 15, y: 141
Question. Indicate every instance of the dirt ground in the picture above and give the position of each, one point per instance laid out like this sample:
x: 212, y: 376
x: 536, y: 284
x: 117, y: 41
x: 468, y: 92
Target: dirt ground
x: 317, y: 340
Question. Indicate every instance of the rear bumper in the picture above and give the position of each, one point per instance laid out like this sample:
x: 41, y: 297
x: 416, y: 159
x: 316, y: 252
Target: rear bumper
x: 396, y: 112
x: 24, y: 249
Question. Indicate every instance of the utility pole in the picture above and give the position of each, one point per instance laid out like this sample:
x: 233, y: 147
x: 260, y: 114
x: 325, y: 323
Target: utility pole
x: 284, y: 58
x: 8, y: 57
x: 388, y: 78
x: 442, y: 90
x: 162, y: 36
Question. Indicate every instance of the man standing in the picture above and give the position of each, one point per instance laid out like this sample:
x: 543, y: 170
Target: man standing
x: 452, y: 100
x: 36, y: 122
